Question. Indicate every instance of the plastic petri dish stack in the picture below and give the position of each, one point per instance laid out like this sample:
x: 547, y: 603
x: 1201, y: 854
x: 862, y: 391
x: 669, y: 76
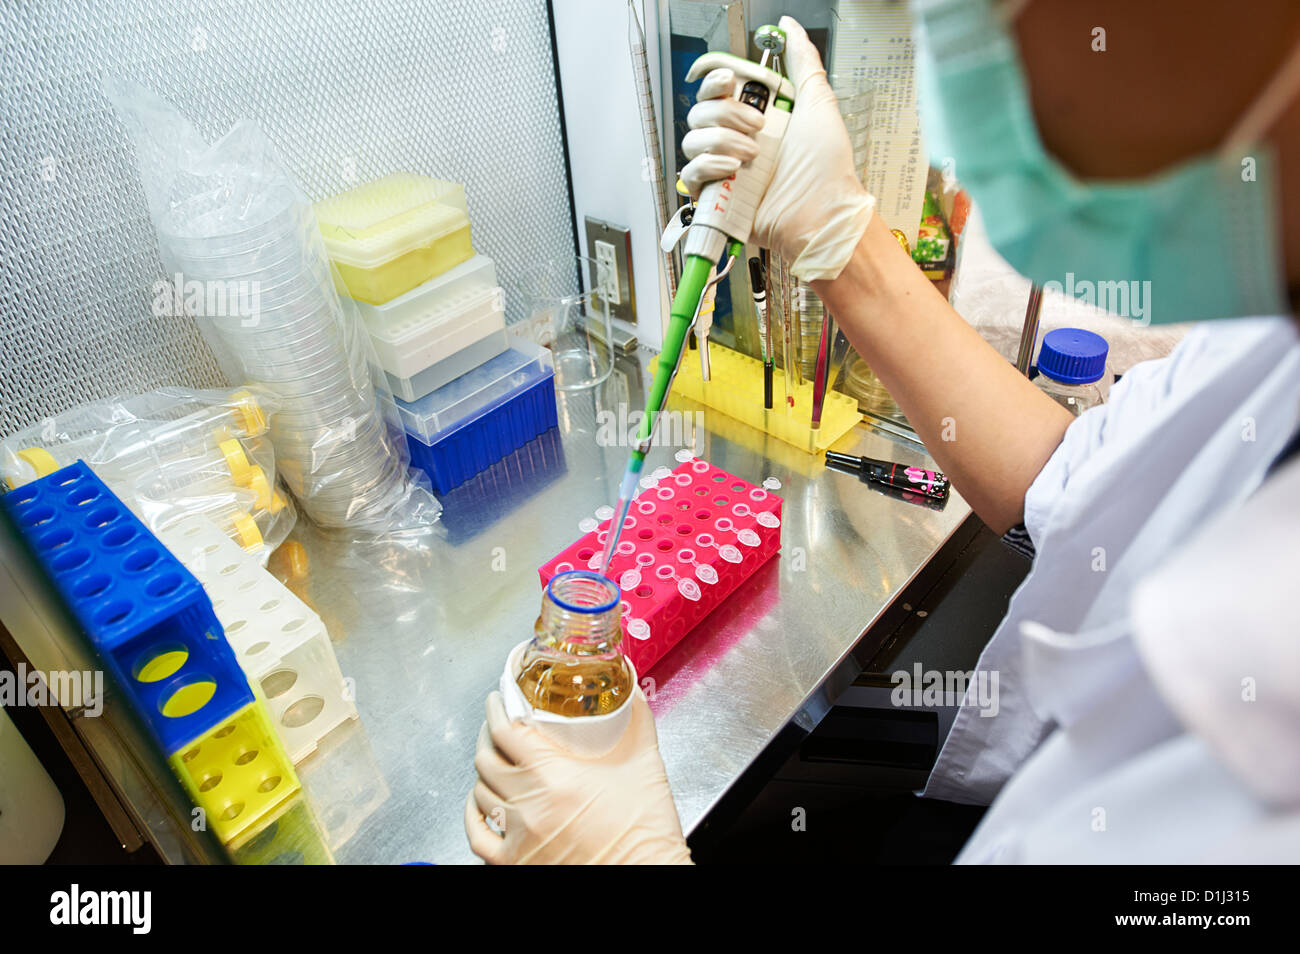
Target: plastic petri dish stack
x: 269, y: 304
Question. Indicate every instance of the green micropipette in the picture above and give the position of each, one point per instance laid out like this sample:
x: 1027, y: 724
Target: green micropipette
x: 686, y: 304
x: 723, y: 218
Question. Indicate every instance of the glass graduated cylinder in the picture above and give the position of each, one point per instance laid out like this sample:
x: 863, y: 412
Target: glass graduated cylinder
x: 574, y: 666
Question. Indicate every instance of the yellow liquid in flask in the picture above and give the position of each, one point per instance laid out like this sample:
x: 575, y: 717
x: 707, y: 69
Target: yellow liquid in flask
x: 574, y: 666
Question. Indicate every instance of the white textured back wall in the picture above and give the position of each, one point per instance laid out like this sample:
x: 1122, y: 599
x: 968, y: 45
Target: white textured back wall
x: 606, y: 147
x: 347, y: 91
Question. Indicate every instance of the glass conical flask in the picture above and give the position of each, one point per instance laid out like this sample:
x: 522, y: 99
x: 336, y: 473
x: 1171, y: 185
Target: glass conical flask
x: 574, y: 665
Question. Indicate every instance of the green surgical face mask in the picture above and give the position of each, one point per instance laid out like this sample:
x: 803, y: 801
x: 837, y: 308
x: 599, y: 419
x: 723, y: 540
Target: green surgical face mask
x: 1197, y: 241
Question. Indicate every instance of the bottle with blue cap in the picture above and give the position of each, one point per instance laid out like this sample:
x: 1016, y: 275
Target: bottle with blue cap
x: 1072, y: 368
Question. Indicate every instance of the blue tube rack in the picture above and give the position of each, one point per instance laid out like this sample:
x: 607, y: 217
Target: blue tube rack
x: 145, y: 614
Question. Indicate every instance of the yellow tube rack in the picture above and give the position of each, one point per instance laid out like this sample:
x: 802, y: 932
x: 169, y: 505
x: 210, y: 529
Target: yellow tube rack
x: 736, y: 389
x: 287, y: 834
x: 237, y: 772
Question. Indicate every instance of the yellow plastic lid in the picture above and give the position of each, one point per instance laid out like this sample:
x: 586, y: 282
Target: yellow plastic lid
x: 249, y: 414
x: 293, y: 555
x: 259, y: 485
x: 246, y: 533
x: 236, y: 460
x: 377, y: 222
x: 39, y: 460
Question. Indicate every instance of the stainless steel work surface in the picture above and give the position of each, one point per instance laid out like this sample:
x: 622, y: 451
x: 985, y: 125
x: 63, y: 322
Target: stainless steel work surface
x: 422, y: 626
x: 425, y: 633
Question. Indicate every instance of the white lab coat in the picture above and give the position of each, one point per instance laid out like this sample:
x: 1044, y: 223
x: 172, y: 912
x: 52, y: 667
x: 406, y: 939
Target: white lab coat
x: 1181, y: 441
x: 1178, y: 737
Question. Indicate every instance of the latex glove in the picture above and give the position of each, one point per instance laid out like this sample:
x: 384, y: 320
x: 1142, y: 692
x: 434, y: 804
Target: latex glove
x: 815, y: 210
x: 557, y: 808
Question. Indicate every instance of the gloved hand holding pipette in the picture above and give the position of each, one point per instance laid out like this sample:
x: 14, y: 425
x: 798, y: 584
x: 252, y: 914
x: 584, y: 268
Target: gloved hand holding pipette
x: 816, y: 215
x: 815, y: 210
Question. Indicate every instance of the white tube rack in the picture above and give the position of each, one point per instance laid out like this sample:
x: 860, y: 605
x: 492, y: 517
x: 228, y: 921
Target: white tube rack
x: 279, y: 641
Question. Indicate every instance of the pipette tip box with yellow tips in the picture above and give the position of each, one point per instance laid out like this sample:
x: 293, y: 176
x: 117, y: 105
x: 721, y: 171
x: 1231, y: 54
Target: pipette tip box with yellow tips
x: 736, y: 389
x: 388, y: 236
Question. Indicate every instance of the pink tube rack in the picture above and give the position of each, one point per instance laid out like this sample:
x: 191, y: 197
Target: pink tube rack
x: 688, y: 542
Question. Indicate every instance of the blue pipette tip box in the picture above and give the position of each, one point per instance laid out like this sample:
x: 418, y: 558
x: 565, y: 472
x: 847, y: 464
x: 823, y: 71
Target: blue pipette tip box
x: 144, y: 613
x: 472, y: 422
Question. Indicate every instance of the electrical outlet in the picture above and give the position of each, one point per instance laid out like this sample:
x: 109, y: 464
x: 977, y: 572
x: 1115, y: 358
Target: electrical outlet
x: 607, y: 271
x: 610, y: 248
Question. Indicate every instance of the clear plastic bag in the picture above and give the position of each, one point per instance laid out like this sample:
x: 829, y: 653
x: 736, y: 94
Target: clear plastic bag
x: 247, y: 262
x: 167, y: 455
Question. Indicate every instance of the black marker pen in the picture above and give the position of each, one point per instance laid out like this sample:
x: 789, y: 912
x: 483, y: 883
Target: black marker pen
x: 917, y: 480
x: 758, y: 287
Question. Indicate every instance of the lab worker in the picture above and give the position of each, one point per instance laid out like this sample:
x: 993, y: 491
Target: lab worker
x: 1149, y: 665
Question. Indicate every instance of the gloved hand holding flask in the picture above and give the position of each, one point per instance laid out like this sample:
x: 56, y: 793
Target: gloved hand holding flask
x: 568, y: 761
